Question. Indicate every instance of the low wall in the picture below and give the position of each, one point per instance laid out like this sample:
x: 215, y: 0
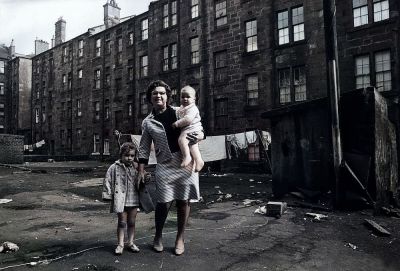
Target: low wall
x: 11, y: 149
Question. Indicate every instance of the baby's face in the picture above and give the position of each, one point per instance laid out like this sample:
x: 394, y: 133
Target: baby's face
x: 187, y: 97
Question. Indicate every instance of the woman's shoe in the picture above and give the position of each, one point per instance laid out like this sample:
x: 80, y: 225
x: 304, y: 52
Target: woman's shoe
x: 179, y: 250
x: 132, y: 247
x: 158, y: 246
x: 119, y: 249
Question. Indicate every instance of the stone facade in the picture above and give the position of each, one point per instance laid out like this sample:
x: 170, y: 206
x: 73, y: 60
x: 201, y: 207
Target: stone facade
x: 243, y: 57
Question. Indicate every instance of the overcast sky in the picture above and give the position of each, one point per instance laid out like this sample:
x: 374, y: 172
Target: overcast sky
x: 24, y: 20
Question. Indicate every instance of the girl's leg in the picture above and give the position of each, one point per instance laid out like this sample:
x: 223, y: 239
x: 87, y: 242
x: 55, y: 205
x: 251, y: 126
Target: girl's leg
x: 183, y: 210
x: 132, y: 212
x: 184, y: 146
x: 122, y: 217
x: 195, y: 152
x: 161, y: 214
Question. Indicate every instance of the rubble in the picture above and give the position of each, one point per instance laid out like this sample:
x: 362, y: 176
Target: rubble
x: 317, y: 217
x: 276, y: 208
x: 8, y: 247
x: 376, y: 227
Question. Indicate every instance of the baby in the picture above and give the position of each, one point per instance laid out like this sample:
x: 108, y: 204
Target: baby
x: 190, y: 121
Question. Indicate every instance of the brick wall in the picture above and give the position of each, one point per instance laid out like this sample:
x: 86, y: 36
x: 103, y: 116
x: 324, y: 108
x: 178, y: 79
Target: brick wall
x: 11, y: 149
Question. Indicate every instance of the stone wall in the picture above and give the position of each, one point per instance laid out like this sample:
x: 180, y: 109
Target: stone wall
x: 11, y: 149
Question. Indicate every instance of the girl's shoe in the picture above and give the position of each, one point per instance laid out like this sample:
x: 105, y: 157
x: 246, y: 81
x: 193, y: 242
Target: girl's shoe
x: 134, y: 248
x: 119, y: 249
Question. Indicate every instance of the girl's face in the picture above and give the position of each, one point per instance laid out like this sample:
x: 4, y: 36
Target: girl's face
x: 159, y: 98
x: 187, y: 97
x: 127, y: 158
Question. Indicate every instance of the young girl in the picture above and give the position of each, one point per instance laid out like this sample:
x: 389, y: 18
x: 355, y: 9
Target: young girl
x: 119, y: 187
x: 190, y: 121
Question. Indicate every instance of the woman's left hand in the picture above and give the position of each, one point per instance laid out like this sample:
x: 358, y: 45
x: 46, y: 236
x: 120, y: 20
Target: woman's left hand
x: 194, y: 137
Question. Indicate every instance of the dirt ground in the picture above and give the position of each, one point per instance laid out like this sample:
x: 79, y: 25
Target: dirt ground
x: 59, y: 222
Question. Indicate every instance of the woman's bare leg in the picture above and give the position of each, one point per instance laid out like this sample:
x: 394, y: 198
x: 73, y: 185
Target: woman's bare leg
x: 183, y: 211
x: 161, y: 214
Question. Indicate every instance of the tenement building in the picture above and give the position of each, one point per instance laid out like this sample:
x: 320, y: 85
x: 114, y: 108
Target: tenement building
x: 5, y: 55
x: 242, y: 56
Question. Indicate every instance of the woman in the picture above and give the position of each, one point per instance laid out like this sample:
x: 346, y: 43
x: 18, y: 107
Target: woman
x: 172, y: 181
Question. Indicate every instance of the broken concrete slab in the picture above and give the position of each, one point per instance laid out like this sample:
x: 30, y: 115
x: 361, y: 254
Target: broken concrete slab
x: 376, y: 227
x: 276, y: 208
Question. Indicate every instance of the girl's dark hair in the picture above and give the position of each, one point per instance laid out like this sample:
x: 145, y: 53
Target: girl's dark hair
x: 126, y: 148
x: 158, y: 83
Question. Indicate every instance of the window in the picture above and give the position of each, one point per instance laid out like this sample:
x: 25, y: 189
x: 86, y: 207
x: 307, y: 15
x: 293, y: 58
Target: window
x: 221, y: 108
x: 360, y: 12
x: 143, y: 104
x: 78, y: 136
x: 131, y: 74
x: 118, y: 59
x: 194, y: 8
x: 292, y: 85
x: 362, y: 72
x: 118, y: 85
x: 108, y: 46
x: 107, y: 113
x: 194, y: 50
x: 251, y: 36
x: 98, y: 47
x: 221, y: 114
x: 174, y: 97
x: 43, y: 114
x: 79, y: 107
x: 292, y: 30
x: 173, y: 13
x: 80, y: 73
x: 38, y: 94
x: 220, y: 13
x: 1, y: 66
x: 283, y: 27
x: 97, y: 110
x: 119, y: 42
x: 145, y: 29
x: 1, y: 88
x: 174, y: 56
x: 108, y: 77
x: 299, y: 83
x: 97, y: 75
x: 96, y: 143
x: 254, y: 151
x: 383, y: 71
x: 298, y: 23
x: 130, y: 38
x: 381, y: 10
x: 130, y: 109
x: 69, y: 81
x: 252, y: 89
x: 80, y: 48
x: 144, y: 65
x: 65, y: 55
x: 36, y: 115
x: 165, y: 16
x: 220, y: 67
x: 284, y: 86
x: 165, y: 64
x: 106, y: 147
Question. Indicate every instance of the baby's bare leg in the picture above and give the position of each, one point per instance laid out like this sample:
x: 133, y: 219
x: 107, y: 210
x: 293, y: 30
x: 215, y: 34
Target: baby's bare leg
x: 195, y: 152
x: 184, y: 146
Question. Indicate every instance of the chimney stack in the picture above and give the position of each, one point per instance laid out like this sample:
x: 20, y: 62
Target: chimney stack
x: 41, y: 46
x: 60, y: 31
x: 111, y: 13
x: 12, y: 48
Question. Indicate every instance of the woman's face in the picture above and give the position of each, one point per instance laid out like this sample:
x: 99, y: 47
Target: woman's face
x: 159, y: 98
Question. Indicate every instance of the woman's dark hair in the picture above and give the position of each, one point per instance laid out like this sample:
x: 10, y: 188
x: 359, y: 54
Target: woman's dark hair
x: 126, y: 148
x: 158, y: 83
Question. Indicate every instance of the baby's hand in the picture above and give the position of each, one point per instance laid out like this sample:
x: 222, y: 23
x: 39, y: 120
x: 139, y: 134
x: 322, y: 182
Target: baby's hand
x: 174, y: 125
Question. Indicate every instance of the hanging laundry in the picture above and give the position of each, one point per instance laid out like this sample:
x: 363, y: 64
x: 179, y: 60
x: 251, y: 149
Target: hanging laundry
x: 213, y: 148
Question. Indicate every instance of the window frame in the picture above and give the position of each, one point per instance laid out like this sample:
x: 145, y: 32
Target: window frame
x: 194, y: 9
x: 144, y: 67
x: 251, y: 34
x: 194, y: 50
x: 252, y: 94
x: 386, y: 73
x: 144, y: 29
x: 220, y: 14
x: 364, y: 66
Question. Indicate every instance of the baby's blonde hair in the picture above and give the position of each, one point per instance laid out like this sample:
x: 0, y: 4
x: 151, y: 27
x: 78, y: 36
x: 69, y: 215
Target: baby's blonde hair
x: 190, y: 90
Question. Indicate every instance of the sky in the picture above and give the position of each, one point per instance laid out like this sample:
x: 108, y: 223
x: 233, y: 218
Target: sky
x: 26, y: 20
